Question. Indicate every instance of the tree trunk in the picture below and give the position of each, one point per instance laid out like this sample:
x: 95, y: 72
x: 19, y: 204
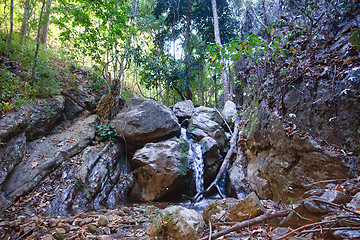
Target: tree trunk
x: 37, y: 44
x: 11, y: 20
x: 224, y: 78
x: 45, y: 24
x: 215, y: 92
x: 25, y: 21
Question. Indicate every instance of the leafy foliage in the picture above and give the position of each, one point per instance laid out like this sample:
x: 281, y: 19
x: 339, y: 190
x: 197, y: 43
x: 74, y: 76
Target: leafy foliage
x: 106, y: 133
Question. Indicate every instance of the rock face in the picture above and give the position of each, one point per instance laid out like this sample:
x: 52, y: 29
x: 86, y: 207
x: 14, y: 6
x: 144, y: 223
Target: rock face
x: 33, y: 119
x: 143, y: 121
x: 100, y: 179
x: 282, y: 162
x: 237, y: 177
x: 178, y: 223
x: 160, y: 169
x: 45, y: 155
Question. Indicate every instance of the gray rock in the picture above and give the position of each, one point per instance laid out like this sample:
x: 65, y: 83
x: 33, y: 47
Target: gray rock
x: 184, y: 109
x: 355, y: 202
x: 178, y: 223
x: 346, y: 234
x: 237, y: 176
x: 208, y: 121
x: 143, y: 121
x: 229, y: 112
x: 11, y: 154
x: 335, y: 196
x: 160, y: 169
x: 47, y: 154
x: 211, y: 157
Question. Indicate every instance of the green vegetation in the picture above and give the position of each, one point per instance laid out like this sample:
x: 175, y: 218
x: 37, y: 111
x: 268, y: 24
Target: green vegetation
x: 106, y: 133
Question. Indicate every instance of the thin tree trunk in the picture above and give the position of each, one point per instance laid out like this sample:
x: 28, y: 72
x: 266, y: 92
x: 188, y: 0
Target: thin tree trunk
x: 215, y: 91
x: 202, y: 86
x: 37, y: 44
x: 224, y: 78
x: 25, y: 21
x: 45, y: 23
x: 11, y: 20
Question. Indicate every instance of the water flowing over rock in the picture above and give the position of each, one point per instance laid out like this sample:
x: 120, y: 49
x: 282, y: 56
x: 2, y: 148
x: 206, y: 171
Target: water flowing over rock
x: 208, y: 122
x: 160, y: 170
x: 178, y: 223
x: 45, y: 155
x: 143, y: 121
x: 282, y: 163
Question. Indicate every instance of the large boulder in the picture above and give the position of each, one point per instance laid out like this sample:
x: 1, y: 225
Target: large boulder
x: 184, y: 110
x: 45, y: 155
x: 178, y: 223
x: 211, y: 157
x: 237, y: 177
x: 283, y: 162
x: 142, y: 121
x: 160, y: 170
x: 208, y: 122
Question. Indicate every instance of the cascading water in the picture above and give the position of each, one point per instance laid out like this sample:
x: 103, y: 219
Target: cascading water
x: 196, y: 160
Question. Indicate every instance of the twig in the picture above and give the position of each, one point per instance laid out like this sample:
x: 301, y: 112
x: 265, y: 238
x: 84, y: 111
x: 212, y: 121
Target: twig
x: 78, y: 102
x: 226, y: 123
x: 210, y: 229
x: 337, y: 205
x: 327, y: 229
x: 301, y: 228
x: 325, y: 181
x: 246, y: 223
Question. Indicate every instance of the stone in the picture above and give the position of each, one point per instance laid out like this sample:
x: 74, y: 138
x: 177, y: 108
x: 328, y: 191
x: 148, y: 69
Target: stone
x: 92, y: 228
x: 183, y: 110
x: 230, y: 112
x: 313, y: 192
x: 346, y: 234
x: 211, y: 157
x: 160, y: 170
x: 59, y: 234
x: 335, y: 196
x: 208, y: 122
x: 355, y: 202
x: 245, y: 209
x: 178, y: 223
x: 237, y: 177
x: 46, y: 155
x: 103, y: 221
x: 300, y: 216
x: 233, y: 210
x: 143, y: 121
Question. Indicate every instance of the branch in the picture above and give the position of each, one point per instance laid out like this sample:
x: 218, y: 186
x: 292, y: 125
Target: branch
x: 247, y: 223
x: 337, y: 205
x: 78, y: 102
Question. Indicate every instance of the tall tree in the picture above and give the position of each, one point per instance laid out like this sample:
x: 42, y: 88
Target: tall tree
x: 25, y: 21
x: 225, y: 80
x: 11, y: 20
x: 45, y: 23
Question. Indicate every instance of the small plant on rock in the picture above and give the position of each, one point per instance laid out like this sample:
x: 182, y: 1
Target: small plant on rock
x: 106, y: 132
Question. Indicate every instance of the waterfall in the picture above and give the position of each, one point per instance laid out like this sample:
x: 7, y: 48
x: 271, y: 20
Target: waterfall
x: 196, y: 161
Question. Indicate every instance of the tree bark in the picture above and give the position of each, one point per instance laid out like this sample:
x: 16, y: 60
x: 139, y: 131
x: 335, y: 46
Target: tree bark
x: 25, y: 21
x: 224, y: 78
x: 45, y: 23
x: 11, y: 20
x: 37, y: 44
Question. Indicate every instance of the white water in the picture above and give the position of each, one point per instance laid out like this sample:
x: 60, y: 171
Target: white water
x: 196, y: 161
